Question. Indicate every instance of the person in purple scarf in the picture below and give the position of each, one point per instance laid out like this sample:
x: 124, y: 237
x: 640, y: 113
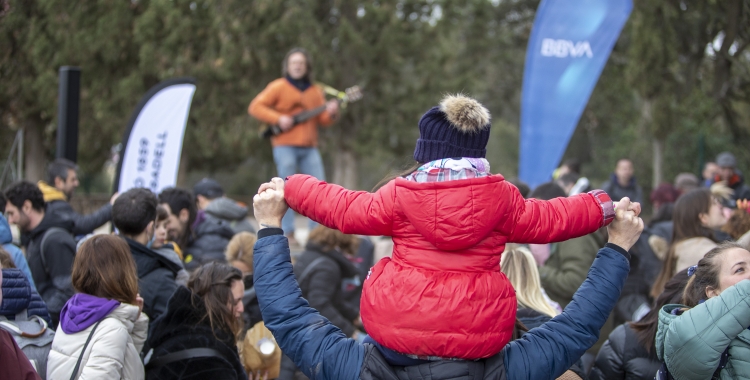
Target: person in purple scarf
x: 102, y: 328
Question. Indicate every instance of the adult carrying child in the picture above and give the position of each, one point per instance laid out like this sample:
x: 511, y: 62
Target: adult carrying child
x: 442, y: 294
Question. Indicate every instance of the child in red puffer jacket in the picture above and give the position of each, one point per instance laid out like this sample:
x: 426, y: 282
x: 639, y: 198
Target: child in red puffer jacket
x: 442, y: 294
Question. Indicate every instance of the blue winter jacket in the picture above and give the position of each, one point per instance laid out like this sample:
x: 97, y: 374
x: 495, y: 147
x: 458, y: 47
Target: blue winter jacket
x: 19, y: 295
x: 6, y: 239
x: 322, y: 351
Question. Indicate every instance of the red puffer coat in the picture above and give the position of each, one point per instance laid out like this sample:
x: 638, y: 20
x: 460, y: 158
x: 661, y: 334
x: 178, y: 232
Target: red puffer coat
x: 442, y: 293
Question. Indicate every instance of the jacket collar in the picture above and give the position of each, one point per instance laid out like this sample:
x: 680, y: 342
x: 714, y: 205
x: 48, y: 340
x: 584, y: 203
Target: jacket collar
x: 51, y: 193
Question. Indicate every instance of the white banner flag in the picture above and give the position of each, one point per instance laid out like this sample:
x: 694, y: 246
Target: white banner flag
x: 153, y: 142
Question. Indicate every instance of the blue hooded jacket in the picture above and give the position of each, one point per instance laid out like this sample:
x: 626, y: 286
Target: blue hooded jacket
x: 18, y: 295
x: 6, y: 239
x: 322, y: 351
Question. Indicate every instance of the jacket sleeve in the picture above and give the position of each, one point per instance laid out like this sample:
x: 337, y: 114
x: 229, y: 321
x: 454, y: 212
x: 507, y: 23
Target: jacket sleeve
x: 549, y: 350
x: 539, y: 222
x: 59, y: 252
x: 694, y: 342
x: 262, y: 107
x: 322, y: 289
x: 106, y: 354
x: 575, y: 256
x: 156, y: 289
x: 351, y: 212
x: 316, y: 346
x: 86, y: 224
x: 609, y: 364
x: 324, y: 119
x: 140, y: 330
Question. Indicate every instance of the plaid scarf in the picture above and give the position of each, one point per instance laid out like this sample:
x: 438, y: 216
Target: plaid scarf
x: 449, y: 169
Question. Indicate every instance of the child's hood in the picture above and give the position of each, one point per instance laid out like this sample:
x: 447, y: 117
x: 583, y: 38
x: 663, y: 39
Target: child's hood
x: 454, y: 215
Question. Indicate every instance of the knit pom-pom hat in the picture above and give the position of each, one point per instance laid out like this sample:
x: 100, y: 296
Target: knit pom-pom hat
x: 458, y: 127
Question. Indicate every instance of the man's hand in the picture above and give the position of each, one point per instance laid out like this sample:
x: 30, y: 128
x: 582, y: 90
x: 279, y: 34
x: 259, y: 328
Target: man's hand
x: 269, y: 205
x: 627, y: 226
x: 332, y: 107
x: 286, y: 122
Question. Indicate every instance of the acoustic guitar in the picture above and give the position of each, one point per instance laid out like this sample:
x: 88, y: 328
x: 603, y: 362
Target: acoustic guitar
x: 350, y: 95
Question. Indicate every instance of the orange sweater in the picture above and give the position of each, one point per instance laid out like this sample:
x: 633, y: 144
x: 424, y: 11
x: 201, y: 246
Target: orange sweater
x: 281, y: 98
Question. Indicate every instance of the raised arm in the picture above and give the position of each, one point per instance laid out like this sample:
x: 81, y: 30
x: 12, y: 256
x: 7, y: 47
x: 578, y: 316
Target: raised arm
x: 707, y: 328
x: 549, y: 350
x: 316, y: 346
x: 559, y: 219
x: 351, y: 212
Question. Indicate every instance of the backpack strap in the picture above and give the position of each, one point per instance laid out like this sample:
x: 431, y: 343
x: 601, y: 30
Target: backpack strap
x: 305, y: 273
x: 10, y: 327
x: 78, y: 363
x: 50, y: 231
x: 249, y: 295
x: 189, y: 353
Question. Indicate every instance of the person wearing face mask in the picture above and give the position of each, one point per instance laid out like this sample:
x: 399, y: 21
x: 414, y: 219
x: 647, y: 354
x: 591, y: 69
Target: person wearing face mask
x: 696, y: 215
x: 133, y: 214
x: 707, y: 337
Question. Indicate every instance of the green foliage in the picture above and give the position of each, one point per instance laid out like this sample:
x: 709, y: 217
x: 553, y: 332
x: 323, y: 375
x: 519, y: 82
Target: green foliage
x: 662, y: 82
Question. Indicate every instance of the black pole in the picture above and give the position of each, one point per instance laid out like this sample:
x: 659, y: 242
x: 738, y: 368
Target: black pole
x: 69, y: 96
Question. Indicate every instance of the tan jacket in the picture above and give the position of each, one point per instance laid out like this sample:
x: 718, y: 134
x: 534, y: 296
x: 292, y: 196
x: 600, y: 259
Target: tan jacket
x: 690, y: 251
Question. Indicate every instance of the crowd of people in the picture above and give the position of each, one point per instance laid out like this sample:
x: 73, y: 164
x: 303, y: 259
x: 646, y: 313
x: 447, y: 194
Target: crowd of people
x: 487, y: 279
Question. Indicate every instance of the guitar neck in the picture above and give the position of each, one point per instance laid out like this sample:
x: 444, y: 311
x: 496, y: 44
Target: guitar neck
x: 311, y: 113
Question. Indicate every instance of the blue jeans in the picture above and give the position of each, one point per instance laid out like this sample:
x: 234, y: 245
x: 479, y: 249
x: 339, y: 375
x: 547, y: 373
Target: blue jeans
x: 288, y: 159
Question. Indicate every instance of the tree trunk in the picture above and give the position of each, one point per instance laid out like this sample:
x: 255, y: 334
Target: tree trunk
x: 658, y: 145
x: 182, y: 171
x: 34, y: 155
x: 345, y: 169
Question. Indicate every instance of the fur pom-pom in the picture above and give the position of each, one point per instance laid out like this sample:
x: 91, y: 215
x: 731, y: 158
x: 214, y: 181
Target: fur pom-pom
x: 465, y: 113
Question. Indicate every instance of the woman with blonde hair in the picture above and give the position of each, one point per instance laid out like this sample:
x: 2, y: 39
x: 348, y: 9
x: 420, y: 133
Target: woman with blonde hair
x: 519, y: 265
x: 102, y: 327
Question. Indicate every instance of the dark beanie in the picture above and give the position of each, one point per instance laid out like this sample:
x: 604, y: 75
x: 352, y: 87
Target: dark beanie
x: 458, y: 127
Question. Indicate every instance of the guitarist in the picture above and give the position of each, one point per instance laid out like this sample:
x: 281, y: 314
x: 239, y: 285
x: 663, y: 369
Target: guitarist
x: 295, y: 148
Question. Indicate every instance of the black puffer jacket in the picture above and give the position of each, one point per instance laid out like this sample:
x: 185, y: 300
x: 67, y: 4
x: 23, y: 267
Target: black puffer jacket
x: 185, y: 326
x: 156, y: 278
x: 321, y: 286
x: 210, y: 239
x: 622, y: 357
x: 635, y: 300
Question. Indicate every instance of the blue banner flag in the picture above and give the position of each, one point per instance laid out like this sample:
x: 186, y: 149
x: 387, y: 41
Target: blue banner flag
x: 569, y: 45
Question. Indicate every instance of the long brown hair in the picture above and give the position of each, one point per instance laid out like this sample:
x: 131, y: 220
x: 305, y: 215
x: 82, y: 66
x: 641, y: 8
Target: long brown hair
x: 213, y: 284
x: 396, y: 174
x: 308, y: 63
x: 706, y: 274
x: 104, y: 267
x: 5, y: 259
x: 645, y: 329
x: 687, y: 224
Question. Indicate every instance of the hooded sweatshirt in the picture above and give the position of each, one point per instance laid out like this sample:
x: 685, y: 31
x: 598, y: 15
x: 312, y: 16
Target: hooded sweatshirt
x: 52, y: 264
x: 231, y: 212
x: 116, y: 342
